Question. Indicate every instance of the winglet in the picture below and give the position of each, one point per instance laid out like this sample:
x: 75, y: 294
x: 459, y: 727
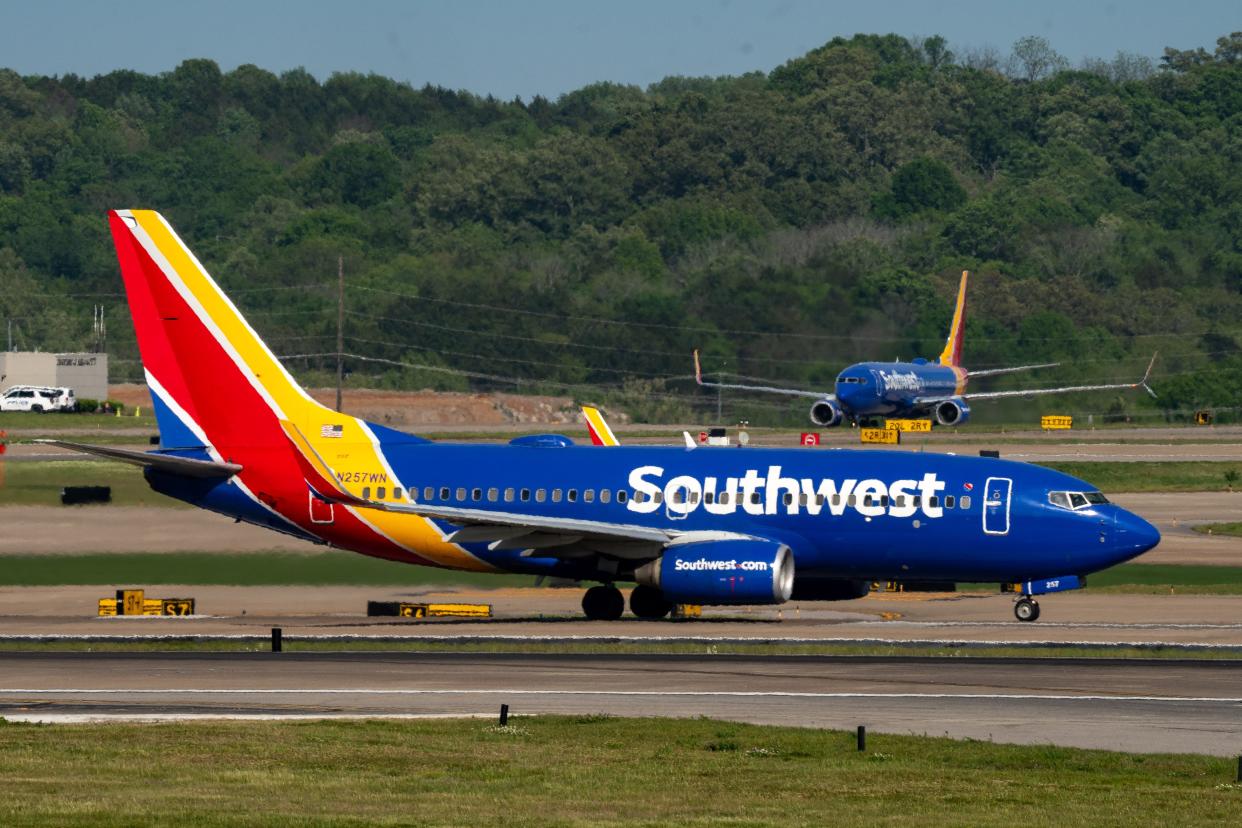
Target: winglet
x: 698, y: 372
x: 690, y: 444
x: 1147, y: 375
x: 597, y: 427
x: 952, y: 353
x: 319, y: 477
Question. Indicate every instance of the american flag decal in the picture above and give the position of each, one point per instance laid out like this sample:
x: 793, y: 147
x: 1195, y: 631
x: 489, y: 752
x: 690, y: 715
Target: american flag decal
x: 331, y: 430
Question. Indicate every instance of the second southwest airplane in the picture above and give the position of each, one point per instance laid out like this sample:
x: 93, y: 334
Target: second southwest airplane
x: 713, y: 526
x: 914, y: 389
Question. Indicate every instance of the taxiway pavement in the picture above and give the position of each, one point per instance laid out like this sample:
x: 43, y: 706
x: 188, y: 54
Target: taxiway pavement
x: 1169, y: 706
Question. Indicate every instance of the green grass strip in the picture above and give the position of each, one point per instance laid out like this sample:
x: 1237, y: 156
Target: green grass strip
x: 333, y: 567
x: 583, y: 770
x: 1154, y: 476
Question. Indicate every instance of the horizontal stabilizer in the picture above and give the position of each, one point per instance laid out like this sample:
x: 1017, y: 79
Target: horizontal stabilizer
x: 184, y: 466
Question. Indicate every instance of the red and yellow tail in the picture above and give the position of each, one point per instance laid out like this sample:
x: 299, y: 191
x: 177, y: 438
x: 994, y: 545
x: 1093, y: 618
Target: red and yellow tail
x: 215, y: 385
x: 952, y: 353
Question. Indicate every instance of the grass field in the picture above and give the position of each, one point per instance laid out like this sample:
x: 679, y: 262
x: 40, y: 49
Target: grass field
x: 333, y: 567
x: 57, y: 420
x: 1154, y: 476
x: 1231, y: 529
x: 39, y: 483
x: 586, y: 770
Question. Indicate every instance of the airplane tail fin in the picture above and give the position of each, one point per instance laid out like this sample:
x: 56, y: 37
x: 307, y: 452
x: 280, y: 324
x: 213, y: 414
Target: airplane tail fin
x: 213, y: 381
x: 952, y: 353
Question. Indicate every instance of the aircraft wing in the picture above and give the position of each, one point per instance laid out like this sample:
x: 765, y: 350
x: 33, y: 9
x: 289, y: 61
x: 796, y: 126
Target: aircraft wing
x: 1035, y: 392
x: 186, y: 466
x: 771, y: 389
x: 992, y: 372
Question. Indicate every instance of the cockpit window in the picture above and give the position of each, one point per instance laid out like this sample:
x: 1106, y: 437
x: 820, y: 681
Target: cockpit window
x: 1076, y: 500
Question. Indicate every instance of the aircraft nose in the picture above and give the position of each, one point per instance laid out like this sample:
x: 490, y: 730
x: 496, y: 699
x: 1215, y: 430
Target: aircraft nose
x: 1134, y: 536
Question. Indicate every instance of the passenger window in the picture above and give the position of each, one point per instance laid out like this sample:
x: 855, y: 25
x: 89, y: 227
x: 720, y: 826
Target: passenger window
x: 605, y: 495
x: 868, y: 501
x: 724, y: 498
x: 754, y: 497
x: 476, y: 494
x: 556, y: 495
x: 444, y: 493
x: 899, y: 501
x: 525, y: 495
x: 709, y: 497
x: 819, y: 500
x: 884, y: 501
x: 679, y: 496
x: 965, y: 502
x: 852, y: 500
x: 381, y: 493
x: 572, y: 495
x: 836, y: 499
x: 659, y: 497
x: 639, y: 497
x: 933, y: 501
x: 493, y: 495
x: 396, y: 492
x: 541, y: 495
x: 1059, y: 499
x: 588, y: 496
x: 429, y: 493
x: 508, y: 495
x: 366, y: 492
x: 788, y: 498
x: 622, y: 494
x: 461, y: 494
x: 694, y: 498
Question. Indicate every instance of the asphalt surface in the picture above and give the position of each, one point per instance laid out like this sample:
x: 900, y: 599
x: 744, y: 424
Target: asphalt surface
x: 1140, y: 707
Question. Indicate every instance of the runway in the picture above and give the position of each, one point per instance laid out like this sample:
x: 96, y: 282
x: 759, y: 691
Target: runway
x: 1156, y: 706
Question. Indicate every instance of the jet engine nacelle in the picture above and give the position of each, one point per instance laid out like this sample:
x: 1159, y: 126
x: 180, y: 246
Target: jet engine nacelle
x: 827, y: 413
x: 952, y: 412
x: 738, y: 571
x: 829, y: 589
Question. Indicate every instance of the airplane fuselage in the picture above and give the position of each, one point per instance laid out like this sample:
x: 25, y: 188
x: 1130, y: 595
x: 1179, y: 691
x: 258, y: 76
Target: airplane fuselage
x: 878, y: 389
x: 849, y: 514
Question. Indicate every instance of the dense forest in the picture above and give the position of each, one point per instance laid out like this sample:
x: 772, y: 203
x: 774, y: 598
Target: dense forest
x: 786, y: 223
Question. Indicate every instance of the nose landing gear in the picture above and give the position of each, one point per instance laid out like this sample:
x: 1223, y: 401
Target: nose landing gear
x: 1026, y: 609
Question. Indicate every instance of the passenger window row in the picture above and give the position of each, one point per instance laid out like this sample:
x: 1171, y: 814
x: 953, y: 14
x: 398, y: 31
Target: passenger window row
x: 1067, y: 500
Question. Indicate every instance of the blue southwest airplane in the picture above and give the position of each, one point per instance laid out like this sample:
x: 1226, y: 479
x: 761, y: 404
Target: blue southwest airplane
x: 919, y: 388
x: 239, y: 436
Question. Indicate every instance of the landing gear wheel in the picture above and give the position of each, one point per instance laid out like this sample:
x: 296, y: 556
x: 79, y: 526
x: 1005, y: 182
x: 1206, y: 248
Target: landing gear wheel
x: 649, y: 602
x: 1026, y: 610
x: 603, y: 603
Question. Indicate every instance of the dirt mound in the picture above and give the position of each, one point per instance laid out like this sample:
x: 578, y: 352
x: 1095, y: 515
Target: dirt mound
x: 423, y: 408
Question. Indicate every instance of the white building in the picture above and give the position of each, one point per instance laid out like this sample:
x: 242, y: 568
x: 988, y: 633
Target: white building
x: 86, y: 374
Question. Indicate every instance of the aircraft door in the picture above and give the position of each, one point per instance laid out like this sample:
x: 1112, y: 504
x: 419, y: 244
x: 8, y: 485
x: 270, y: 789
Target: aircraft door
x: 321, y: 511
x: 678, y: 503
x: 996, y: 494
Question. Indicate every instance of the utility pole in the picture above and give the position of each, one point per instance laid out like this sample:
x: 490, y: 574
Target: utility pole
x: 10, y: 334
x: 719, y: 399
x: 340, y: 327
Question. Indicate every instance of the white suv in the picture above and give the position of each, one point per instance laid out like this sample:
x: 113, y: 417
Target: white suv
x: 37, y: 398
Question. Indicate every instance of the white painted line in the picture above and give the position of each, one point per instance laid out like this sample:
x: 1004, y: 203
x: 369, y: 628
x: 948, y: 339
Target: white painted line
x: 512, y: 691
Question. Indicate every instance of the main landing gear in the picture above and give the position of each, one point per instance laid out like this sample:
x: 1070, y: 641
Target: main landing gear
x: 603, y: 603
x: 1026, y: 609
x: 606, y: 603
